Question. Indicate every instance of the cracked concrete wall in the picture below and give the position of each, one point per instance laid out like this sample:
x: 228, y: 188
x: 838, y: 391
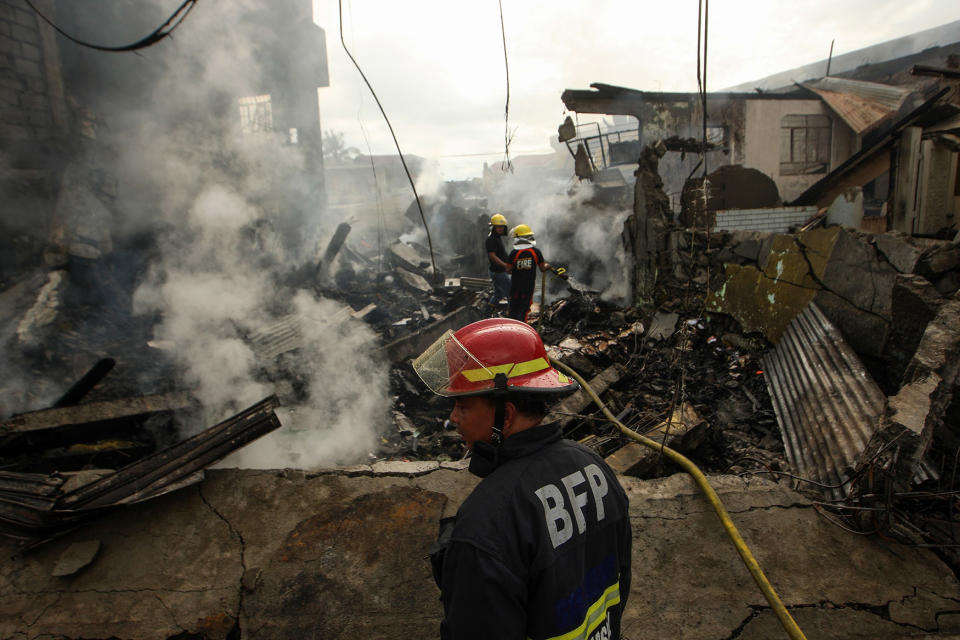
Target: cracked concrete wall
x: 342, y: 554
x: 850, y: 275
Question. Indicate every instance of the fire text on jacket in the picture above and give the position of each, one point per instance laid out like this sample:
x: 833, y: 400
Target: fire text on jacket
x: 562, y: 509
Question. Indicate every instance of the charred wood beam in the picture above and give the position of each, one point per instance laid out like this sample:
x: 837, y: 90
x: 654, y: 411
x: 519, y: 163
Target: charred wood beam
x: 414, y: 344
x: 927, y: 70
x: 34, y: 484
x: 580, y: 400
x: 29, y: 520
x: 153, y: 473
x: 333, y: 247
x: 92, y: 412
x: 688, y: 145
x: 83, y: 386
x: 30, y: 510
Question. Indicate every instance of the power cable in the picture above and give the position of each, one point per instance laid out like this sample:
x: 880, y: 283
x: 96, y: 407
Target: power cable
x: 381, y: 221
x: 506, y: 165
x: 702, y: 84
x: 158, y: 34
x: 403, y: 161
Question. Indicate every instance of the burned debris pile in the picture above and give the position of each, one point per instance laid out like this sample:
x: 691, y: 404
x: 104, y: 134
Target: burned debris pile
x: 36, y: 507
x: 93, y: 399
x: 647, y: 366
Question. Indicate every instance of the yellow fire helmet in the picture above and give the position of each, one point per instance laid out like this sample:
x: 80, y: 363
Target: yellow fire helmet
x: 521, y: 230
x: 498, y: 220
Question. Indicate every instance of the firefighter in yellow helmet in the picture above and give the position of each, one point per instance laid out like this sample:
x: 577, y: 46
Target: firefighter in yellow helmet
x: 524, y: 260
x: 497, y: 256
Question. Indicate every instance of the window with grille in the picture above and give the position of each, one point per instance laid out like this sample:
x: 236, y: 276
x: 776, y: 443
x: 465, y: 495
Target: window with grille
x: 256, y: 115
x: 804, y: 144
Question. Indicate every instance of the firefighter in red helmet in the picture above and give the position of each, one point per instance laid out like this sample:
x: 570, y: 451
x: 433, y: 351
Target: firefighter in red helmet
x: 541, y: 547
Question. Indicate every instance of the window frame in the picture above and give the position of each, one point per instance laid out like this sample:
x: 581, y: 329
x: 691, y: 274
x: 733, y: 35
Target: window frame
x: 806, y: 142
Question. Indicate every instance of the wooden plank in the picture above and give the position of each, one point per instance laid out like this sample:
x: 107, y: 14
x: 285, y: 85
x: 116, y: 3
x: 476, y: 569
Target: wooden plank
x: 93, y: 412
x: 580, y: 400
x: 151, y: 474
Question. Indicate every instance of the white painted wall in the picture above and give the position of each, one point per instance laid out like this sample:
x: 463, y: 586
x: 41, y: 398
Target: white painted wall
x: 762, y: 141
x: 847, y: 209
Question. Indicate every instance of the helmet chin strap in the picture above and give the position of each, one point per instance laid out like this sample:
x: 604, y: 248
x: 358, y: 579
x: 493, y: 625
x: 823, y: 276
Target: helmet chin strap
x: 486, y: 455
x: 500, y: 397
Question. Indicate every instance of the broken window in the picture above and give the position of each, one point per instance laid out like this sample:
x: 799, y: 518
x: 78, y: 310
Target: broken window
x: 256, y: 115
x: 804, y: 144
x: 717, y: 135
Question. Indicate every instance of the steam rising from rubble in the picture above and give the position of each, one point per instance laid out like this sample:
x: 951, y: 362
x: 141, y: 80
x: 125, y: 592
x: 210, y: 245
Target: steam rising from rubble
x: 233, y: 213
x: 211, y: 295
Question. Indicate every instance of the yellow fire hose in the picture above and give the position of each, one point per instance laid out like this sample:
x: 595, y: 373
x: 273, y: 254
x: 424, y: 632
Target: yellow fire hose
x: 793, y: 631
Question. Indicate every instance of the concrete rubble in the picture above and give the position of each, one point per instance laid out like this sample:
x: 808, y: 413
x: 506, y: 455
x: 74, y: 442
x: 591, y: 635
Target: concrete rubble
x: 344, y: 556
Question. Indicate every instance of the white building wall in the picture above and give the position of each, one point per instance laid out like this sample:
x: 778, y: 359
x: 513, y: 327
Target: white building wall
x: 762, y: 141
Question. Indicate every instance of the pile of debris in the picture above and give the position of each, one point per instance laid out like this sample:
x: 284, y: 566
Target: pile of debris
x: 694, y: 373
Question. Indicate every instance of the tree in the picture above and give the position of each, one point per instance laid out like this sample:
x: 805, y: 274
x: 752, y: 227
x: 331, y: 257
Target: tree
x: 335, y: 150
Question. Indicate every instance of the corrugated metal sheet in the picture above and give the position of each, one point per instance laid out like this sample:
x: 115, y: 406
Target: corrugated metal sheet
x: 827, y: 405
x: 885, y: 95
x: 862, y: 105
x: 860, y: 114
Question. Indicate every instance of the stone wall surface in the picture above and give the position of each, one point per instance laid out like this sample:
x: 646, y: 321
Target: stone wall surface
x: 26, y: 112
x: 342, y: 554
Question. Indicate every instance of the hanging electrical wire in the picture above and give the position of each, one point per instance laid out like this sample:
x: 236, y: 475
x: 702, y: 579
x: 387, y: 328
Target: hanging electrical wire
x: 158, y: 34
x: 703, y: 19
x: 680, y: 386
x: 381, y: 222
x: 403, y: 160
x: 506, y: 165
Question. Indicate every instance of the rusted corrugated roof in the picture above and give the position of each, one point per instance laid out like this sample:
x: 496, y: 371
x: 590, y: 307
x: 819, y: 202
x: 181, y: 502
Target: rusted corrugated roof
x: 827, y: 405
x: 862, y: 105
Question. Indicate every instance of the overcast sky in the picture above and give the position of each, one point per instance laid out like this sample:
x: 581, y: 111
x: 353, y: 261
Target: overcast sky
x: 438, y: 65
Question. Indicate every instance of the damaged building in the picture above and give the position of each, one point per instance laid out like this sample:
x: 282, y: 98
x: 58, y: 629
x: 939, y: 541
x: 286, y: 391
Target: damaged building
x: 210, y: 426
x: 836, y: 138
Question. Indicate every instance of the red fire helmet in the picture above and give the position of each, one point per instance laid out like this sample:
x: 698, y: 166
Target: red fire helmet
x: 465, y: 363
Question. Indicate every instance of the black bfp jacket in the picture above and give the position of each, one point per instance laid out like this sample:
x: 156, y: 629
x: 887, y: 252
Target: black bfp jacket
x: 540, y: 549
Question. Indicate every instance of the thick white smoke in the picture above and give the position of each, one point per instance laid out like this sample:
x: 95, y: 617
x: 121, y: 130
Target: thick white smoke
x: 236, y: 213
x: 570, y: 228
x: 212, y: 296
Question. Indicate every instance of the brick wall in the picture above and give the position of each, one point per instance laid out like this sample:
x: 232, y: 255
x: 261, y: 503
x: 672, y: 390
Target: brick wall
x: 773, y: 220
x: 31, y: 92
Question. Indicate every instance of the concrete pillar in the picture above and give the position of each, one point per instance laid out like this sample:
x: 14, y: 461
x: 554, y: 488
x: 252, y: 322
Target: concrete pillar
x: 935, y: 207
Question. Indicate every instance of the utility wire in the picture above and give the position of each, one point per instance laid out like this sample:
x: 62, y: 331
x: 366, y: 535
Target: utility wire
x: 680, y: 385
x: 403, y: 161
x: 152, y: 38
x: 506, y: 165
x: 381, y: 222
x: 703, y: 83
